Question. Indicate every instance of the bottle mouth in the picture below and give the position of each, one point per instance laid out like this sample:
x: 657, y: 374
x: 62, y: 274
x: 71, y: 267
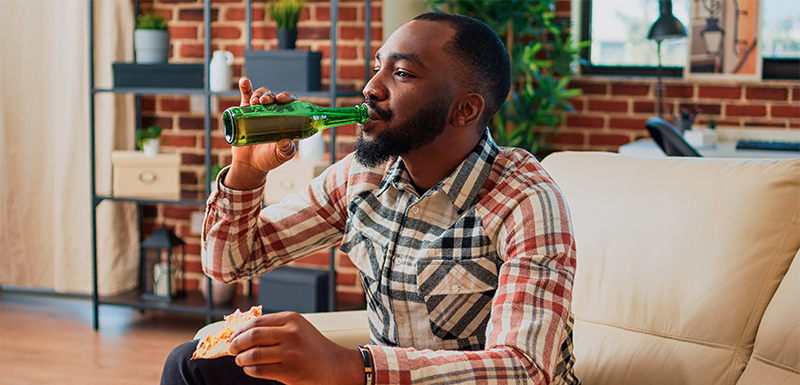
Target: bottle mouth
x: 229, y: 126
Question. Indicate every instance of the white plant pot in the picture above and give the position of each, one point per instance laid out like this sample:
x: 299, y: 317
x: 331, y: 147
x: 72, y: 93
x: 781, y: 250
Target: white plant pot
x: 152, y: 46
x: 312, y: 149
x: 222, y: 292
x: 151, y: 147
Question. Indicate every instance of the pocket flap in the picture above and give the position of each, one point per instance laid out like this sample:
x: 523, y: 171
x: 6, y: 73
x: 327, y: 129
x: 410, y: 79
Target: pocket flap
x: 447, y: 277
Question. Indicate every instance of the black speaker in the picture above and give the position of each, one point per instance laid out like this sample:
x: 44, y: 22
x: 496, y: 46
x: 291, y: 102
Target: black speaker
x: 295, y: 289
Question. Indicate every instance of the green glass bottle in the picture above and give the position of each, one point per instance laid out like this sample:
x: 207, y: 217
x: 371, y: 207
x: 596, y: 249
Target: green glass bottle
x: 293, y: 120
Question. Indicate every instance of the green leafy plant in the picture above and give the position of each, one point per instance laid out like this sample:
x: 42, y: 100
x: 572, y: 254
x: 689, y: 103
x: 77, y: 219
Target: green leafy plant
x: 215, y: 169
x: 144, y: 134
x: 286, y: 13
x: 542, y: 55
x: 151, y: 21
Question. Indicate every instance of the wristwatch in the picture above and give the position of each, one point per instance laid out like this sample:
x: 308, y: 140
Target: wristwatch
x: 367, y: 356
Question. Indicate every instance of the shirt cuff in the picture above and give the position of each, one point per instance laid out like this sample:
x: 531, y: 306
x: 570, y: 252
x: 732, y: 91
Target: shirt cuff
x: 386, y: 366
x: 234, y: 202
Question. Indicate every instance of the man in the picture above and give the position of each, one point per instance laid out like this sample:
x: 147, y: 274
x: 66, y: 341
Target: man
x: 465, y: 250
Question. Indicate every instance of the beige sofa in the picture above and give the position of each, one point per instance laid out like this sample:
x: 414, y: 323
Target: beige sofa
x: 687, y: 270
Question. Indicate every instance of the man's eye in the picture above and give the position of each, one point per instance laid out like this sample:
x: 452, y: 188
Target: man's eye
x: 375, y: 70
x: 402, y: 74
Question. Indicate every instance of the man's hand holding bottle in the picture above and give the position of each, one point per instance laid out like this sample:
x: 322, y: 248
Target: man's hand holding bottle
x: 251, y: 163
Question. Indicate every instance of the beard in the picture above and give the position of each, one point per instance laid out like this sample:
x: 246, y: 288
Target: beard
x: 408, y: 135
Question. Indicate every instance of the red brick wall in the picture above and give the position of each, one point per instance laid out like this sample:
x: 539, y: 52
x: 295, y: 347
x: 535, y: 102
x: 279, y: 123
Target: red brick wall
x: 182, y: 116
x: 612, y: 110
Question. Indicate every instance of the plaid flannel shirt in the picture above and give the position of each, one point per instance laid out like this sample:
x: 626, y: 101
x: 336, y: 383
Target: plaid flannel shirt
x: 470, y: 282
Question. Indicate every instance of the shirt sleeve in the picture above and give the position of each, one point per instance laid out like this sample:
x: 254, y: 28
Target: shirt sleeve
x: 529, y: 327
x: 242, y: 240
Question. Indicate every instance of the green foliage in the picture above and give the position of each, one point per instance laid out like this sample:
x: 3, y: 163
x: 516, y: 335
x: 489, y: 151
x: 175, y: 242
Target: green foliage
x: 542, y: 55
x: 142, y: 134
x: 151, y: 21
x: 286, y: 13
x: 215, y: 169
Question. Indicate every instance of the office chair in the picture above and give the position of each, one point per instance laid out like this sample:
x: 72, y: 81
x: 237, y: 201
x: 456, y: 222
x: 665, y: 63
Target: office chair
x: 669, y: 139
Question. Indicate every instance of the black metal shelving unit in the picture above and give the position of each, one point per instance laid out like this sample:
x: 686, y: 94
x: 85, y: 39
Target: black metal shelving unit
x: 194, y: 303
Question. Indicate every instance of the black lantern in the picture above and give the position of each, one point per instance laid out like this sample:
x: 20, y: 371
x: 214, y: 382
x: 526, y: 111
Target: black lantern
x: 162, y: 264
x: 712, y: 36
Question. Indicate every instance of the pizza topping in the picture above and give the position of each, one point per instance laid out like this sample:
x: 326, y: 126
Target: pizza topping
x: 217, y: 344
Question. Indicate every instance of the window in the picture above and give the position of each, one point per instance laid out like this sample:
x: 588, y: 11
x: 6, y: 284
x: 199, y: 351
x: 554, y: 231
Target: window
x: 780, y: 45
x: 618, y: 32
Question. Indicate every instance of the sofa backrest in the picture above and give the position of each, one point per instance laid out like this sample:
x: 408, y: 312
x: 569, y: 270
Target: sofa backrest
x: 677, y: 261
x: 776, y: 355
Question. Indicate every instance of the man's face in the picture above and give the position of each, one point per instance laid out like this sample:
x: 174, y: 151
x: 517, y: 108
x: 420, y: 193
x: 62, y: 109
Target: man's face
x: 410, y: 94
x: 404, y: 135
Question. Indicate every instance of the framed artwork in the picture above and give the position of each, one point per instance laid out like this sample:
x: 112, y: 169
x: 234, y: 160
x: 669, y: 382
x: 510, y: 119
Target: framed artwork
x: 724, y: 40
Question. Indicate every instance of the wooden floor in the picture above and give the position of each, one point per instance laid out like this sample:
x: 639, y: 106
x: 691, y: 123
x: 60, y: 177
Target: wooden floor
x: 49, y: 340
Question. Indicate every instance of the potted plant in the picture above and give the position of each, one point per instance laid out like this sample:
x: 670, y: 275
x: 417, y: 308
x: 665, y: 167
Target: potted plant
x: 151, y: 39
x: 286, y: 13
x: 285, y: 68
x: 542, y: 54
x: 149, y: 140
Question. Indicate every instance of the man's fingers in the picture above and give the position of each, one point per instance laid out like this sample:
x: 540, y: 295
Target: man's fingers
x: 285, y: 150
x: 260, y: 355
x: 258, y: 95
x: 252, y: 336
x: 285, y: 97
x: 261, y: 371
x: 267, y: 330
x: 246, y: 90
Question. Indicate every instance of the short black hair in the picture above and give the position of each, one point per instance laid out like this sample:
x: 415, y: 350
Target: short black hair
x: 483, y: 57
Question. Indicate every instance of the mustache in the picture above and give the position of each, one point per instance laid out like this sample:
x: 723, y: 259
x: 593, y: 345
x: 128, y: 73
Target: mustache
x: 383, y: 114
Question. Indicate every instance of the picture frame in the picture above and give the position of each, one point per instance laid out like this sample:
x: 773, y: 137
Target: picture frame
x: 724, y: 40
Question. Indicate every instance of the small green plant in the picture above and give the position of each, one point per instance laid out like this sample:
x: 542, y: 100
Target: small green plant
x: 286, y: 13
x: 151, y: 21
x: 143, y: 134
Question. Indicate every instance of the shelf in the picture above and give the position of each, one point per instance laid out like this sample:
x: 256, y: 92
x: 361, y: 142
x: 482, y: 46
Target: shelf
x: 192, y: 303
x: 200, y: 91
x: 151, y: 91
x: 183, y: 202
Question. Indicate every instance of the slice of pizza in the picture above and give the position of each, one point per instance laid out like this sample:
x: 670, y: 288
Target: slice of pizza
x: 216, y: 344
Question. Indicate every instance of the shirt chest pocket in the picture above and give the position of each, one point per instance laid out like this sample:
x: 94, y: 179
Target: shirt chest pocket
x: 458, y: 295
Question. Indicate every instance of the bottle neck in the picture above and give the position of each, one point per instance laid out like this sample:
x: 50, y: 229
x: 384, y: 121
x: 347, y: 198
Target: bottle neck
x: 337, y: 116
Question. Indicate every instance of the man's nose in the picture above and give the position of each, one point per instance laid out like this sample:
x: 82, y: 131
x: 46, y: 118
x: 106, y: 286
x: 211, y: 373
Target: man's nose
x: 374, y: 89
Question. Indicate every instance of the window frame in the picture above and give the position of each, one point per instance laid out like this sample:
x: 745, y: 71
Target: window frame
x: 771, y: 68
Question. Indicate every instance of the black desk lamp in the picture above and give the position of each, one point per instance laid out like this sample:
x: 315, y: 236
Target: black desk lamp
x: 666, y: 27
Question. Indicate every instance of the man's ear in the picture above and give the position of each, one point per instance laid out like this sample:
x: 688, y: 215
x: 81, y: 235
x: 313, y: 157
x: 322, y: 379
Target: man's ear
x: 468, y: 110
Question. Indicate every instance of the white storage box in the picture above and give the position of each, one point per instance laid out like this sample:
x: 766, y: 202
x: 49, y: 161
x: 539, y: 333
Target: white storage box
x: 138, y: 176
x: 290, y: 178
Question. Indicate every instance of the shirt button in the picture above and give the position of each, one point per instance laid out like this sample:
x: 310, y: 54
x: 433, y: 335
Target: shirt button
x: 400, y: 319
x: 454, y: 288
x: 397, y: 261
x: 415, y: 210
x: 225, y: 201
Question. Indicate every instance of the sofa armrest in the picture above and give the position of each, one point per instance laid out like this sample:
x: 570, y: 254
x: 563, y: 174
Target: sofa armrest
x: 347, y: 328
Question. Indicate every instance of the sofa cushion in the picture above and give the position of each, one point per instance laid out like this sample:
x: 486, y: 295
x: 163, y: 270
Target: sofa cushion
x: 776, y: 355
x: 677, y: 260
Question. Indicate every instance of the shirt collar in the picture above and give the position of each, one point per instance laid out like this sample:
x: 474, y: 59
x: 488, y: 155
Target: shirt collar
x: 462, y: 185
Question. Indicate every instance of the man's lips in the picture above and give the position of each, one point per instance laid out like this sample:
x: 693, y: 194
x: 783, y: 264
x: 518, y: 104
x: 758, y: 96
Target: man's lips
x: 373, y: 115
x: 376, y: 113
